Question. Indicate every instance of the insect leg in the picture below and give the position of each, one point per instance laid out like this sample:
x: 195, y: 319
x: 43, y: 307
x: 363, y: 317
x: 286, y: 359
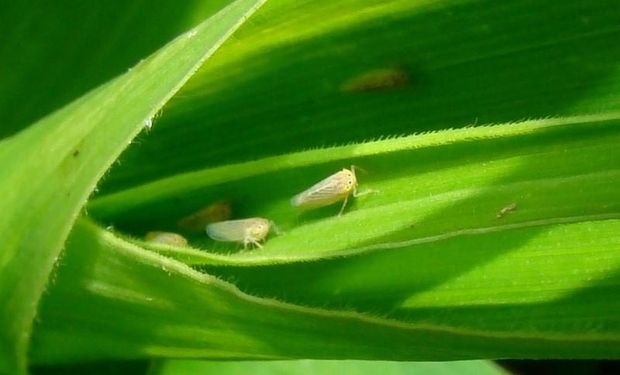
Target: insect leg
x: 346, y: 198
x: 360, y: 193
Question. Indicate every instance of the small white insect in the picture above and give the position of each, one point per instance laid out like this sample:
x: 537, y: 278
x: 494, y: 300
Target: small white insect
x: 166, y: 238
x: 332, y: 189
x: 247, y: 231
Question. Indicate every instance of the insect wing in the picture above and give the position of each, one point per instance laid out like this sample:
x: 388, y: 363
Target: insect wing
x: 233, y: 230
x: 324, y: 192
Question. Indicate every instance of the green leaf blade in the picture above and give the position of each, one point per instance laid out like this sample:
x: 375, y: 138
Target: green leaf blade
x: 453, y: 282
x: 468, y: 63
x: 62, y: 157
x: 171, y: 367
x: 431, y: 187
x: 194, y: 315
x: 435, y: 266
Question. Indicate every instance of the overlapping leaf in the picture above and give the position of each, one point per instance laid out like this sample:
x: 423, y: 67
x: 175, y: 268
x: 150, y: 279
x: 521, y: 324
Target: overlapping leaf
x: 50, y: 169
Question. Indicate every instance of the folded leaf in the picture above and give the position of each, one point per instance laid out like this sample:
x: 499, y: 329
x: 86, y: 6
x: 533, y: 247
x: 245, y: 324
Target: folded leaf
x: 49, y: 170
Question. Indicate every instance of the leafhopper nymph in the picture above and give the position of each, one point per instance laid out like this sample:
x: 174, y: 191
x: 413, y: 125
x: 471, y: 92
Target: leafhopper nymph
x: 166, y: 238
x: 332, y: 189
x: 247, y: 231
